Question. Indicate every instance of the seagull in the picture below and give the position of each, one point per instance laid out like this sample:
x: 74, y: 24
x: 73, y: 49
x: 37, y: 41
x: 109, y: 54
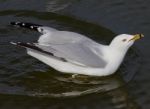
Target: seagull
x: 71, y: 52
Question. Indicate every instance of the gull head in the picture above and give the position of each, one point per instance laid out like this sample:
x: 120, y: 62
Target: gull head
x: 124, y: 41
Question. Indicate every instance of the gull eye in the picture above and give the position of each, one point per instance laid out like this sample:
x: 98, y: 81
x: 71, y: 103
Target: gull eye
x: 124, y: 40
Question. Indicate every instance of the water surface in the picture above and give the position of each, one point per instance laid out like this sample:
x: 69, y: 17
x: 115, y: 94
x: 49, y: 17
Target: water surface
x: 27, y: 83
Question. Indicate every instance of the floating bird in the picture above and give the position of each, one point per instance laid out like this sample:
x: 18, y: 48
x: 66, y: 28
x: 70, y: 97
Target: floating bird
x: 70, y: 52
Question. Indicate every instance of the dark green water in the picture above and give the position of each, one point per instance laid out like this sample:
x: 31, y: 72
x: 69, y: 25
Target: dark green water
x: 26, y: 83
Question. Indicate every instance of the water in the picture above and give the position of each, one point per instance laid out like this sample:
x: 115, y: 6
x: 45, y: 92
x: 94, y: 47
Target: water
x: 27, y: 83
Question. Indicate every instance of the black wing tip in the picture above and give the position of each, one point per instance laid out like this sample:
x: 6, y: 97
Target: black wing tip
x: 32, y: 46
x: 27, y: 25
x: 16, y: 23
x: 12, y: 23
x: 13, y: 43
x: 22, y: 44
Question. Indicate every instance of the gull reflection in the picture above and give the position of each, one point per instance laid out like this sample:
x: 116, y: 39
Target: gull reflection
x: 113, y: 86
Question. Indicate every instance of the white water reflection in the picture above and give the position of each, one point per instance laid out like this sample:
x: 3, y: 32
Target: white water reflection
x: 45, y: 86
x: 58, y: 5
x: 80, y: 86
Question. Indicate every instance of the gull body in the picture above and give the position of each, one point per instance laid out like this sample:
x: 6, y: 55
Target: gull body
x: 70, y: 52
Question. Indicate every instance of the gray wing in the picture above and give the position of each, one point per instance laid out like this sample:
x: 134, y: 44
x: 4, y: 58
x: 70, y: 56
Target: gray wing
x: 59, y: 37
x: 76, y: 52
x: 67, y: 45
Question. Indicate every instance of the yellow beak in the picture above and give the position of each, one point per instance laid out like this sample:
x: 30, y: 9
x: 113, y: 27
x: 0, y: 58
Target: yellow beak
x: 136, y: 37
